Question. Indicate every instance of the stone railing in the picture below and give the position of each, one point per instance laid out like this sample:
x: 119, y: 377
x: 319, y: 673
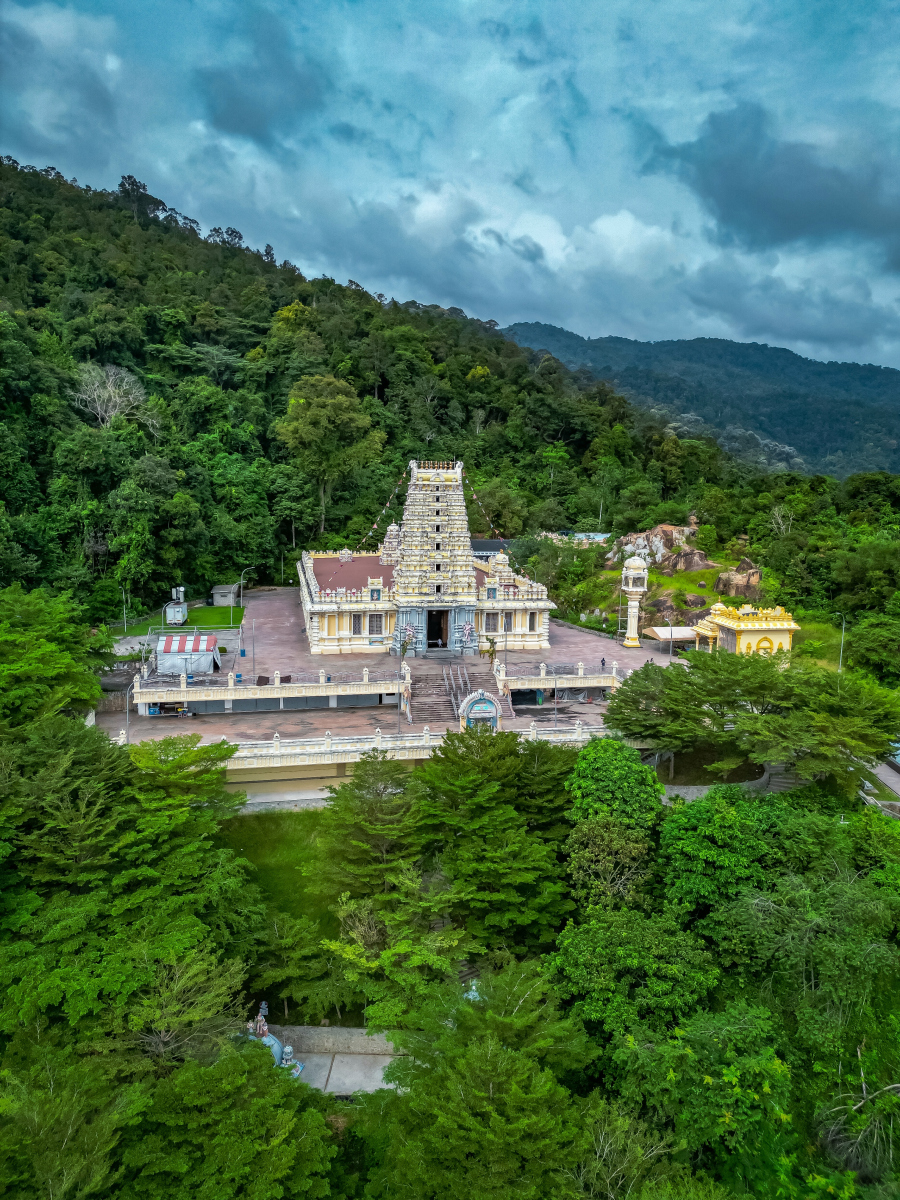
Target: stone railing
x: 304, y: 752
x: 529, y: 676
x: 181, y: 689
x: 507, y: 591
x: 360, y: 596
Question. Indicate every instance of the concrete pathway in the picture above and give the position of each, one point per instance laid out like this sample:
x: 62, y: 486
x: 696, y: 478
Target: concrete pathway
x: 888, y: 776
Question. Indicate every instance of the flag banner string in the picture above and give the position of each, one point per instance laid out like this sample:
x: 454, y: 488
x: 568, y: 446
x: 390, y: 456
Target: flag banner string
x: 490, y: 523
x: 487, y: 518
x: 367, y: 535
x: 494, y: 531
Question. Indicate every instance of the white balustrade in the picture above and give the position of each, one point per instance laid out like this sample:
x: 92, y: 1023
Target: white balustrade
x: 330, y: 749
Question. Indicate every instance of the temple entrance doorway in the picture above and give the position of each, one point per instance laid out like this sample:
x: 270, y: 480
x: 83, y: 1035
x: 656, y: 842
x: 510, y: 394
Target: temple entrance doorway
x: 438, y: 628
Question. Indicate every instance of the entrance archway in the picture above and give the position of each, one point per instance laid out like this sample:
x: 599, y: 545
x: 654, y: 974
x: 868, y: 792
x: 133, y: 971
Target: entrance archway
x: 480, y: 708
x: 438, y: 628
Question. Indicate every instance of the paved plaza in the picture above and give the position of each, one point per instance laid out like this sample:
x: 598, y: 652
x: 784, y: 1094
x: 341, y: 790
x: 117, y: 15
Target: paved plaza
x: 275, y: 639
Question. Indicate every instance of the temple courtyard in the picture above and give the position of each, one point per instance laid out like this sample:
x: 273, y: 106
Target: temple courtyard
x: 275, y: 641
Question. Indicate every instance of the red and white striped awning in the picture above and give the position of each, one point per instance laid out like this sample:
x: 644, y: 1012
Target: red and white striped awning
x: 187, y: 643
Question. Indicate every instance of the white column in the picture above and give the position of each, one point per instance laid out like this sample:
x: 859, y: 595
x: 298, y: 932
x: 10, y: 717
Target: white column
x: 631, y: 635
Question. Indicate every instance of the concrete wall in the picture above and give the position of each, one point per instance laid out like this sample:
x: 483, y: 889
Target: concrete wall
x: 695, y: 792
x: 331, y: 1039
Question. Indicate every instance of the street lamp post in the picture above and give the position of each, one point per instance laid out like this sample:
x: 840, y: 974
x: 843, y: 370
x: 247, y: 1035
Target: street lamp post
x: 555, y: 700
x: 128, y: 691
x: 243, y: 573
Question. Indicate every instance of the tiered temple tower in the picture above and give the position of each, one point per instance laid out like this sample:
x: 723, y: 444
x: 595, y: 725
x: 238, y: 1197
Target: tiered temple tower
x: 435, y: 588
x: 422, y: 591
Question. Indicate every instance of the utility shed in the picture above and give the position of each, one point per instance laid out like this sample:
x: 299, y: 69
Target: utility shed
x: 187, y: 653
x: 224, y: 594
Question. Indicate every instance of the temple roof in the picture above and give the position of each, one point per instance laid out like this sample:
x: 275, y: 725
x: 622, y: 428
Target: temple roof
x: 331, y: 573
x: 747, y: 617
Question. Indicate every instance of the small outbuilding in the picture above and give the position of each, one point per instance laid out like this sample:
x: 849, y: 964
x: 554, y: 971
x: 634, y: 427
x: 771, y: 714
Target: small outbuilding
x: 187, y: 654
x: 746, y: 630
x: 225, y: 594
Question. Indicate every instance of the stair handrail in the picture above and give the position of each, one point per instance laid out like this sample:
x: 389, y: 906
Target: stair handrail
x: 449, y: 690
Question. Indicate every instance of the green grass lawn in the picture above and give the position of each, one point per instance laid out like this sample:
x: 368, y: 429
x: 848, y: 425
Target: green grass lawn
x: 203, y: 617
x: 827, y: 653
x: 280, y: 845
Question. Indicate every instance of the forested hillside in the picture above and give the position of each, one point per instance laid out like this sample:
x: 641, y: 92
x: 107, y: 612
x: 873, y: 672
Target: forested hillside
x: 839, y: 417
x: 176, y: 408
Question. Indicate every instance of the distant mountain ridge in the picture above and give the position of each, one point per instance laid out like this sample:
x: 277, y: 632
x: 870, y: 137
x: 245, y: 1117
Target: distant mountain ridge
x: 761, y: 402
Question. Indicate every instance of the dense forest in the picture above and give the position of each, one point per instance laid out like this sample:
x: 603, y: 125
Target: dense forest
x: 763, y: 403
x: 596, y: 994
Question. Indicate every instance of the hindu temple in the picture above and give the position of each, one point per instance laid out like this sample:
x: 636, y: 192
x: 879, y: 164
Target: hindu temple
x: 422, y: 591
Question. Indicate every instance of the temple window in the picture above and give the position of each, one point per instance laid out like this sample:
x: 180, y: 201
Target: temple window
x: 376, y: 623
x: 532, y: 622
x: 507, y: 622
x: 357, y: 623
x: 490, y: 622
x: 437, y: 545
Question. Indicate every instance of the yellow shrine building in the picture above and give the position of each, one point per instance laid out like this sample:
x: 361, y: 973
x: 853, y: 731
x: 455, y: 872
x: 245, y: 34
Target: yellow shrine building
x: 746, y: 630
x: 422, y: 590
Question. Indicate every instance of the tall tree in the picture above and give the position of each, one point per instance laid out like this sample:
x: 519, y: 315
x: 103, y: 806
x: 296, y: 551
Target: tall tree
x: 609, y: 777
x: 49, y: 659
x: 328, y: 431
x: 237, y: 1128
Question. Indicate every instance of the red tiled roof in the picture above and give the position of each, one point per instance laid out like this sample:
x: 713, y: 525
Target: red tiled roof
x: 354, y: 575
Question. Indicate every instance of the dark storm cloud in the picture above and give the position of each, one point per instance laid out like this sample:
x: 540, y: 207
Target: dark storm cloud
x: 270, y: 88
x: 53, y: 103
x: 764, y: 192
x: 770, y: 308
x: 478, y: 155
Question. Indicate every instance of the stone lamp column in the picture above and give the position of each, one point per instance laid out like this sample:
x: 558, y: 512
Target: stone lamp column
x: 634, y: 585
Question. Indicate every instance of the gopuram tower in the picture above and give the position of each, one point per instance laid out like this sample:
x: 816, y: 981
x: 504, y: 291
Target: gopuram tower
x: 435, y: 589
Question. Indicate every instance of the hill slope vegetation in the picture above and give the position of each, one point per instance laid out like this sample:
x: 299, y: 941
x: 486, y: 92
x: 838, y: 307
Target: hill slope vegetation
x: 838, y: 417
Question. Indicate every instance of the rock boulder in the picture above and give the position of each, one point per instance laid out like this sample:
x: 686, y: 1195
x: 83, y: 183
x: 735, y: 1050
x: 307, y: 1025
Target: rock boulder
x: 688, y: 559
x: 653, y: 545
x: 745, y: 581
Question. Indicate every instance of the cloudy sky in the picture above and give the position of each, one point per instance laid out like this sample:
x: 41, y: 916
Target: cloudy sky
x: 653, y: 169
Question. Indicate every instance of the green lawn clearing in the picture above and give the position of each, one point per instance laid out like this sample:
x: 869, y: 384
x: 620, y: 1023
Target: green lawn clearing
x: 280, y: 844
x: 822, y: 638
x: 202, y: 617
